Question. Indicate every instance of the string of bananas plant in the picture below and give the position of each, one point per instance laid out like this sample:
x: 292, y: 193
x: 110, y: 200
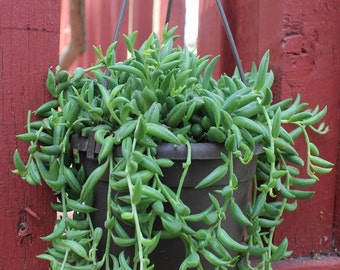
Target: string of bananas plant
x: 167, y: 94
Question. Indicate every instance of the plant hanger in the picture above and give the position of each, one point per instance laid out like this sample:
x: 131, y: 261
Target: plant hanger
x: 228, y: 33
x: 168, y: 12
x: 117, y: 29
x: 231, y: 40
x: 120, y: 20
x: 167, y: 19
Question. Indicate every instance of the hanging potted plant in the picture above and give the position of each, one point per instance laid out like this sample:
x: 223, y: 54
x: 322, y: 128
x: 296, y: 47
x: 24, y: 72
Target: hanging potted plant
x: 137, y: 136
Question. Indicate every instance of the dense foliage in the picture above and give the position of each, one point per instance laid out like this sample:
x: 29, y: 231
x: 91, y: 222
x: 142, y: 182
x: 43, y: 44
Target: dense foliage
x: 166, y: 94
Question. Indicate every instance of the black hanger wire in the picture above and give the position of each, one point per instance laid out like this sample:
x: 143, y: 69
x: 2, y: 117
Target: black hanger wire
x: 168, y: 13
x: 231, y: 41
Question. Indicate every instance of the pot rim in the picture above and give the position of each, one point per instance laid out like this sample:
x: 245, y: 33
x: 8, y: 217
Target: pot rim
x: 199, y: 151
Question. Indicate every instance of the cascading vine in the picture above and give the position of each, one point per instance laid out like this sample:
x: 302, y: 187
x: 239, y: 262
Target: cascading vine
x: 167, y: 94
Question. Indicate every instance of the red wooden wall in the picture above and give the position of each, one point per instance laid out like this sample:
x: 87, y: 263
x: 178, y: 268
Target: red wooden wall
x: 29, y: 33
x: 303, y: 37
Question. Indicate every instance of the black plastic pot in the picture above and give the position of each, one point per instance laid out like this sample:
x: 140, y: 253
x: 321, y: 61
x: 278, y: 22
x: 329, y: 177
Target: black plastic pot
x: 205, y: 157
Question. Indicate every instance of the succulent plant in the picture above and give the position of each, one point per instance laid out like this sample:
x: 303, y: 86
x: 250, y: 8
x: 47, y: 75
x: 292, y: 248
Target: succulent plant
x: 166, y: 94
